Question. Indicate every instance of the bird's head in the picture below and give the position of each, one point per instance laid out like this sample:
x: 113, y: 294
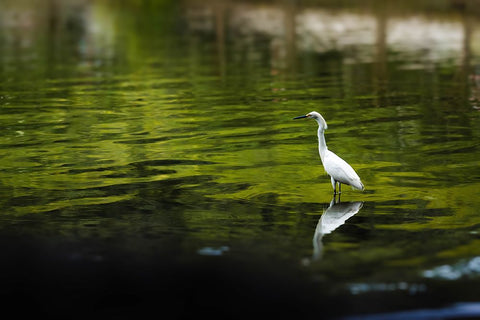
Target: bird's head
x: 315, y: 115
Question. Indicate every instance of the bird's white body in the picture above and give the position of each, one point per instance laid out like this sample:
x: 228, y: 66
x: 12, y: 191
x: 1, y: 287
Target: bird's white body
x: 337, y: 168
x: 340, y: 171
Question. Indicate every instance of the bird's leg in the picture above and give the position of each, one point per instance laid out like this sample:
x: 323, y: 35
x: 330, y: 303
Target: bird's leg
x: 334, y: 185
x: 339, y: 188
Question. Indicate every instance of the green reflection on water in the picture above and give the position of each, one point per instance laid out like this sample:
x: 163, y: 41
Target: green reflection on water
x: 144, y: 127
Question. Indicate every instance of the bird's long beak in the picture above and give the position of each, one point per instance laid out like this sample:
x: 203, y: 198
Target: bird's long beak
x: 299, y: 117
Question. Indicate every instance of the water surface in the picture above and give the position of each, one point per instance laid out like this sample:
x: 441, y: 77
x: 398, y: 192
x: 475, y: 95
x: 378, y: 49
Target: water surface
x: 149, y: 159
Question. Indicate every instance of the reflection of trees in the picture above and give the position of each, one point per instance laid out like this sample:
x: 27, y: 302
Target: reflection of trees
x: 355, y: 36
x: 108, y: 57
x: 404, y: 72
x: 362, y: 50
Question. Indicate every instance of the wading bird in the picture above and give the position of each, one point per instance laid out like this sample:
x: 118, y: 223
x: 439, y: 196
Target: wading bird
x: 337, y: 168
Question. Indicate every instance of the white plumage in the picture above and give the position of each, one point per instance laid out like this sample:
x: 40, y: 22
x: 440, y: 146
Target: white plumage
x: 337, y: 168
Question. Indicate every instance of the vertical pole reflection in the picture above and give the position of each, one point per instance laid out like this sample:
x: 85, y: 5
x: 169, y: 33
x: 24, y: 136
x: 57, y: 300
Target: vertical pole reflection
x: 220, y: 17
x: 290, y: 9
x: 466, y: 71
x: 380, y: 65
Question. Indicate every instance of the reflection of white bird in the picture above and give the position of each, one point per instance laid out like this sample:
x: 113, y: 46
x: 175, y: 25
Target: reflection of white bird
x: 338, y: 170
x: 335, y: 215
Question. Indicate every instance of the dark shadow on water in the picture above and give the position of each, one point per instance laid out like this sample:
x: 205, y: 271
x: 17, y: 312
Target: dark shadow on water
x: 60, y: 280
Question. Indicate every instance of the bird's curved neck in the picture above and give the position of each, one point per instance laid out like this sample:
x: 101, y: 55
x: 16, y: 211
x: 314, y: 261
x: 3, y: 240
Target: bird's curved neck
x: 322, y: 145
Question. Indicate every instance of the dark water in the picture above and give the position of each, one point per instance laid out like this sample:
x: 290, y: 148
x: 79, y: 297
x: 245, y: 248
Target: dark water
x: 149, y: 163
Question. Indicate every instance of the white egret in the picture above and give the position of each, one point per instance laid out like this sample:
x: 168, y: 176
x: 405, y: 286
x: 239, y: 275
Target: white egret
x: 337, y: 168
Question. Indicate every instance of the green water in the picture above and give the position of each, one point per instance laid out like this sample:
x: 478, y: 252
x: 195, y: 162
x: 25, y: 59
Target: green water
x: 149, y: 160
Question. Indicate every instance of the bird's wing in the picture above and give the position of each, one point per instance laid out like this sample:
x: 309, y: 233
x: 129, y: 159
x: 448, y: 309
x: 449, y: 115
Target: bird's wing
x: 340, y: 170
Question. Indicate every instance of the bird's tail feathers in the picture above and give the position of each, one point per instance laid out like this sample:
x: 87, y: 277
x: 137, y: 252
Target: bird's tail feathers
x: 358, y: 185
